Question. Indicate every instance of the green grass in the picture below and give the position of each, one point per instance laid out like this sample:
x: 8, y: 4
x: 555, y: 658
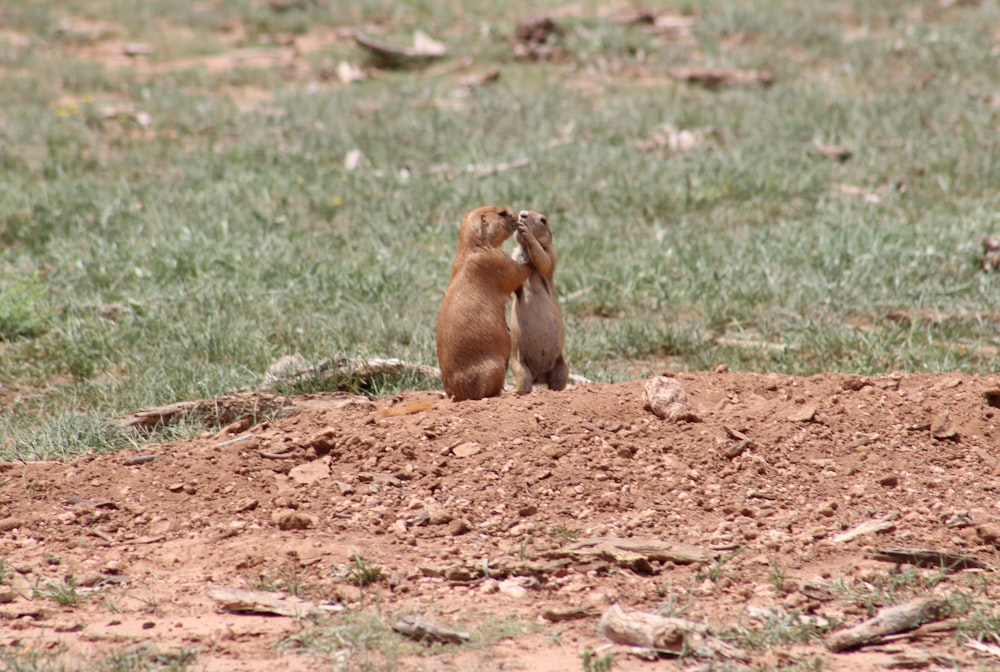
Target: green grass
x: 65, y: 594
x: 132, y: 659
x: 365, y: 642
x: 230, y: 233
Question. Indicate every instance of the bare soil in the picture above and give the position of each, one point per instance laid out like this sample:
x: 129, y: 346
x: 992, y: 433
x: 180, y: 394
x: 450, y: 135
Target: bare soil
x: 453, y: 501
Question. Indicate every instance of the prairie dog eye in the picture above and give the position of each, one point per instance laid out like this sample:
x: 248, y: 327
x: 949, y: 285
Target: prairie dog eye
x: 545, y: 221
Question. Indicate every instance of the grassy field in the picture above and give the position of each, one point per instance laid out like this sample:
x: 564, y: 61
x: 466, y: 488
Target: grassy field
x: 173, y: 223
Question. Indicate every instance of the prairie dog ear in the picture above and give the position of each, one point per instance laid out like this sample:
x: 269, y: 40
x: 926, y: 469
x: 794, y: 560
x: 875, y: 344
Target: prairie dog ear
x: 483, y: 228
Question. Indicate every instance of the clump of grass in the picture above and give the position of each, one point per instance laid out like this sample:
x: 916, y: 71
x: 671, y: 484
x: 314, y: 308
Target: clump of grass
x: 717, y: 569
x: 288, y: 580
x: 66, y: 594
x: 362, y: 574
x: 780, y: 628
x: 353, y: 642
x: 22, y: 313
x: 594, y: 663
x: 564, y: 535
x: 143, y: 659
x: 777, y: 576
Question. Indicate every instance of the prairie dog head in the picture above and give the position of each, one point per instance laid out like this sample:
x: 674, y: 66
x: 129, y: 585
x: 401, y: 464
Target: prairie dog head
x: 538, y: 225
x: 488, y: 226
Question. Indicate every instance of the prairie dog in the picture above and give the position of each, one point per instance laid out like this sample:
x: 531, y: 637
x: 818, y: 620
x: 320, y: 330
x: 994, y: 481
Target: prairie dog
x: 537, y: 333
x: 473, y: 340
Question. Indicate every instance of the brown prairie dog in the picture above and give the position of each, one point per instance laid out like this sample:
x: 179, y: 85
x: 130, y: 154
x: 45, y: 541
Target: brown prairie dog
x: 537, y: 333
x: 473, y: 341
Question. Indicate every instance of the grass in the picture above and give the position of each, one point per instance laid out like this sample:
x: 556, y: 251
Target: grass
x: 146, y: 264
x: 65, y: 594
x: 361, y: 573
x: 132, y: 659
x: 364, y: 642
x: 594, y: 663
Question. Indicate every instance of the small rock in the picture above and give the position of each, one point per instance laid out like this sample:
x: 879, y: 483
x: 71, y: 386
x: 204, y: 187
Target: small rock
x: 528, y: 510
x: 439, y: 517
x: 489, y: 586
x: 870, y: 527
x: 806, y: 413
x: 323, y: 442
x: 458, y: 527
x: 516, y: 587
x: 889, y: 480
x: 21, y: 586
x: 666, y: 398
x: 160, y: 526
x: 459, y: 575
x: 114, y: 566
x: 467, y: 449
x: 556, y: 451
x: 828, y: 509
x: 855, y: 383
x: 942, y: 429
x: 7, y: 594
x: 989, y: 533
x: 794, y: 600
x: 137, y: 49
x: 8, y: 524
x: 175, y: 487
x: 560, y: 614
x: 244, y: 505
x: 293, y: 520
x: 310, y: 472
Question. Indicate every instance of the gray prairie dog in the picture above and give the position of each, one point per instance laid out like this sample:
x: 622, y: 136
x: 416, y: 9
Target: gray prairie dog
x: 473, y: 340
x: 537, y: 334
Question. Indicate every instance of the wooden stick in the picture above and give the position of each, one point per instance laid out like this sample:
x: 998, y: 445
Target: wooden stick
x: 889, y: 621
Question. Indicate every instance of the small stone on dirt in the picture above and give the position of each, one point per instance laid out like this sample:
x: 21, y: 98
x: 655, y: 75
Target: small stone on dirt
x: 889, y: 480
x: 244, y: 505
x: 560, y: 614
x: 310, y: 472
x: 989, y: 533
x: 806, y: 413
x: 828, y: 509
x: 293, y: 520
x: 668, y: 399
x: 8, y: 524
x: 513, y: 588
x: 458, y: 527
x: 467, y: 449
x: 942, y: 428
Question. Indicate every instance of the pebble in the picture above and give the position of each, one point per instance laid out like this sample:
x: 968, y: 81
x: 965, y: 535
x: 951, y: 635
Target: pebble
x: 889, y: 480
x: 668, y: 399
x: 459, y: 527
x: 514, y: 588
x: 293, y: 520
x: 467, y: 449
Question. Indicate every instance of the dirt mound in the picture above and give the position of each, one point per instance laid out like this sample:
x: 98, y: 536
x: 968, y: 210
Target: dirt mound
x: 788, y: 487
